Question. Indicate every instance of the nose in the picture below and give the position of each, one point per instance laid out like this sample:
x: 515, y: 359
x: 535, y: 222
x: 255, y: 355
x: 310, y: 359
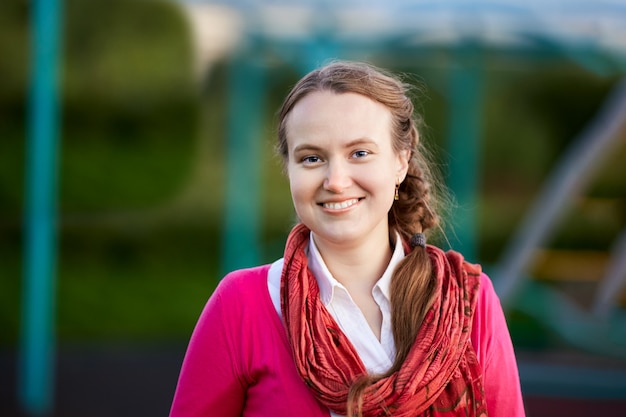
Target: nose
x: 337, y: 177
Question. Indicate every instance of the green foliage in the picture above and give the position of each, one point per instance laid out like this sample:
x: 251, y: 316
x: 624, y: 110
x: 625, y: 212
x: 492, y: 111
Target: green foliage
x: 130, y: 109
x: 130, y: 106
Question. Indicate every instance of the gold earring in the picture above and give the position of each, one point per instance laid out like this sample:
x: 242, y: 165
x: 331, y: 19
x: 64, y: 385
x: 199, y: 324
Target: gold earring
x: 397, y: 195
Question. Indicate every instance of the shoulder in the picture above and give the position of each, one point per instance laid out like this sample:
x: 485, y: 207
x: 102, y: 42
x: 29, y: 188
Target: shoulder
x: 488, y: 300
x: 243, y: 280
x: 489, y: 326
x: 239, y: 293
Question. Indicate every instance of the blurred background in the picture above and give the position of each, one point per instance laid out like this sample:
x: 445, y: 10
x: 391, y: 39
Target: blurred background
x: 166, y: 178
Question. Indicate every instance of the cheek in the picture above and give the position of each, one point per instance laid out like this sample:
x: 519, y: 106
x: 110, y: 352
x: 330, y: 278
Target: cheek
x: 299, y: 185
x: 302, y: 194
x: 377, y: 181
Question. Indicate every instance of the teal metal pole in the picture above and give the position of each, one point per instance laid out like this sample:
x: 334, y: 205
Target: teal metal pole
x: 464, y: 106
x: 241, y: 234
x: 37, y: 341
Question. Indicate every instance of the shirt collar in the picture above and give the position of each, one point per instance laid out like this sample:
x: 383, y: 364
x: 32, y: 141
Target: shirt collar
x: 327, y: 283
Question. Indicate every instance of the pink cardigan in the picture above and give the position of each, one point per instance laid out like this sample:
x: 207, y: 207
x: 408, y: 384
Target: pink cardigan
x: 239, y: 363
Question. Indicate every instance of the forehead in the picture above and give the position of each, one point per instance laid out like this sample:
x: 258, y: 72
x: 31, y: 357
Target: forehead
x: 337, y: 117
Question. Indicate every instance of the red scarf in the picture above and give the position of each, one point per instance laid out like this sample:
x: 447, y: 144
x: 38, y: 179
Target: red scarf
x: 440, y: 376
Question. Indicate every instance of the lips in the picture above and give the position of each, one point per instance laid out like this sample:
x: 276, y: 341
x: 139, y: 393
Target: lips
x: 340, y: 205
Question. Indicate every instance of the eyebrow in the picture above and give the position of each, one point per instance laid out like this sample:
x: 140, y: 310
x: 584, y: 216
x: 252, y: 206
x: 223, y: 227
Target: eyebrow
x: 352, y: 143
x: 306, y: 147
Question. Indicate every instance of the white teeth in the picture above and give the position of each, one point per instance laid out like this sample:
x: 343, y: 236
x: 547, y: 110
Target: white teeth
x: 342, y: 205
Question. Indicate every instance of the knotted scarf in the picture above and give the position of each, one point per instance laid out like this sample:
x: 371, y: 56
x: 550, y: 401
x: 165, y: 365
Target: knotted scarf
x: 440, y: 376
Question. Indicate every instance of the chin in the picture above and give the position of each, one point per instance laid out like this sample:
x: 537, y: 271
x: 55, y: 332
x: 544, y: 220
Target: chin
x: 336, y: 235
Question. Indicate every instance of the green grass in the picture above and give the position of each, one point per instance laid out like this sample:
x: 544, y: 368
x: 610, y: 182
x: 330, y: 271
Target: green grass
x: 96, y: 300
x: 149, y: 301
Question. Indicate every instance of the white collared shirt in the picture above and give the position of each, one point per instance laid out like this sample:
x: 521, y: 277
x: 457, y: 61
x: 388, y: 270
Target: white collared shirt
x: 377, y: 356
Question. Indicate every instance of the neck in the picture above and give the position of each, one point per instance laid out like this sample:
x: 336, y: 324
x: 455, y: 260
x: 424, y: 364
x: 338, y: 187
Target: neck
x: 357, y: 266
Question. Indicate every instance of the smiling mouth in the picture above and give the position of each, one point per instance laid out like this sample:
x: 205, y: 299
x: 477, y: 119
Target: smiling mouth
x: 340, y: 205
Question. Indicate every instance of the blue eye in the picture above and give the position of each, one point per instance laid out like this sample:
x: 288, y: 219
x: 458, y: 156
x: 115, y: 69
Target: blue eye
x: 360, y: 154
x: 310, y: 159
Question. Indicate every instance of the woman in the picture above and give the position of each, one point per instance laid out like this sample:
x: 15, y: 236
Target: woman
x: 360, y: 317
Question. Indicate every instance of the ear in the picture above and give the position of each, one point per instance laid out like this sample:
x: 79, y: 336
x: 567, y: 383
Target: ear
x: 403, y: 164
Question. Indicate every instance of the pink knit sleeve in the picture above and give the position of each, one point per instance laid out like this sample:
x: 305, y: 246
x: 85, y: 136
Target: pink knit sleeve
x: 492, y: 341
x: 209, y: 383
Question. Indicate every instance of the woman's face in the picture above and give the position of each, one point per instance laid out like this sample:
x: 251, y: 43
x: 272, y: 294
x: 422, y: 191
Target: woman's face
x: 342, y: 168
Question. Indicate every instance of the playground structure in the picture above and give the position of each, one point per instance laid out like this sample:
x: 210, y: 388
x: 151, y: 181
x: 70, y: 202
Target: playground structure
x: 304, y: 34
